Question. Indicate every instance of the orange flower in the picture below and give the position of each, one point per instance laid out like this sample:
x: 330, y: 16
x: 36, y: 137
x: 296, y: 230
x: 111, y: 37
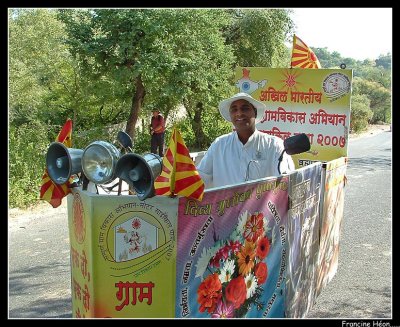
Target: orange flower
x: 236, y: 291
x: 261, y: 272
x: 209, y: 293
x: 246, y: 258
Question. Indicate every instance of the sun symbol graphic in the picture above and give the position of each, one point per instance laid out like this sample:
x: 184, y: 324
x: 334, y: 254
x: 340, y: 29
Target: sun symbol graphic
x: 289, y: 81
x: 136, y: 223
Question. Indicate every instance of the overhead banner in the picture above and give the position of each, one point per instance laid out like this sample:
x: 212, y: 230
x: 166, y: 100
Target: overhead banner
x: 232, y: 252
x: 311, y: 101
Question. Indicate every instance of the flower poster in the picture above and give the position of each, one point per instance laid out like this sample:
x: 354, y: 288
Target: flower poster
x: 303, y: 239
x: 231, y: 252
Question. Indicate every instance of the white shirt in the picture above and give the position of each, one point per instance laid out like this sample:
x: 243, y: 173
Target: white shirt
x: 228, y: 161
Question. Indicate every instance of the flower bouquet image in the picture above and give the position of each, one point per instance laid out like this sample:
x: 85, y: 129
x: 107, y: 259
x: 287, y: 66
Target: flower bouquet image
x: 234, y: 269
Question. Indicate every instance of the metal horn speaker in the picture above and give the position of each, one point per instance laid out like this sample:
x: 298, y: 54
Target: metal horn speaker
x: 140, y: 172
x: 62, y: 162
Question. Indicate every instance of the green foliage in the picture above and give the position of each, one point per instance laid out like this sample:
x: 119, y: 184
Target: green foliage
x: 258, y: 35
x: 360, y: 113
x: 27, y: 151
x: 379, y: 96
x: 214, y: 125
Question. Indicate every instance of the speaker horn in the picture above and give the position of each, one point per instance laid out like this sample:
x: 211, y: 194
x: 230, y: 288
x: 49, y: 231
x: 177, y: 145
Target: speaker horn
x: 140, y: 172
x: 63, y: 162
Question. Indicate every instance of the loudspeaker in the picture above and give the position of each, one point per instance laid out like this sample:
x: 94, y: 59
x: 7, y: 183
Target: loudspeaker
x: 140, y: 172
x: 62, y: 162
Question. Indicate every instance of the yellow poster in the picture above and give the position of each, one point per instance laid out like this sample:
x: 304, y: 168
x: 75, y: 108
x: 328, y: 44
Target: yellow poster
x: 123, y: 255
x: 311, y: 101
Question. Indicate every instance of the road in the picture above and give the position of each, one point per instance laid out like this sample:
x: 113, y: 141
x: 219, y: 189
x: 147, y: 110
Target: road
x: 362, y: 287
x: 39, y: 266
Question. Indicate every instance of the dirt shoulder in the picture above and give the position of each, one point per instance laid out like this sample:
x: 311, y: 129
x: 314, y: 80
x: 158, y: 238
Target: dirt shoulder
x: 371, y: 130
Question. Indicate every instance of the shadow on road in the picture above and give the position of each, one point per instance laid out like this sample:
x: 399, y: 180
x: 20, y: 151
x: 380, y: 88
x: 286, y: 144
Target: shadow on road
x: 370, y: 163
x: 40, y: 280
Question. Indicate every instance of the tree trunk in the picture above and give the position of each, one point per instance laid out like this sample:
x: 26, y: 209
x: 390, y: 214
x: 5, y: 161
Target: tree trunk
x: 198, y: 127
x: 137, y: 100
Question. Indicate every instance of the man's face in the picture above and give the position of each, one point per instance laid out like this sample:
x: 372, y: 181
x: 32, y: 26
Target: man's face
x: 155, y: 113
x: 242, y: 115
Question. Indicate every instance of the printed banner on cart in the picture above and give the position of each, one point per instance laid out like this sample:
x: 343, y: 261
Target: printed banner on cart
x: 303, y: 239
x: 331, y: 221
x: 232, y: 252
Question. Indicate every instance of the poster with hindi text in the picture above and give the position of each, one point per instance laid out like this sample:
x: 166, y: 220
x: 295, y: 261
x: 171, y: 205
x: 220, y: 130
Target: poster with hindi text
x: 311, y: 101
x: 231, y: 260
x: 303, y: 239
x: 123, y: 255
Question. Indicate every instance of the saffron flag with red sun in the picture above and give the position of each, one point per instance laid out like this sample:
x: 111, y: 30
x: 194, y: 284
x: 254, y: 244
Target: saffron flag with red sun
x: 303, y: 56
x: 50, y: 191
x: 179, y: 175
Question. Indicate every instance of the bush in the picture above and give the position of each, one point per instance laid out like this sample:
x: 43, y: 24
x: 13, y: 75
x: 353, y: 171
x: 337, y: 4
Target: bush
x: 360, y: 113
x: 28, y: 144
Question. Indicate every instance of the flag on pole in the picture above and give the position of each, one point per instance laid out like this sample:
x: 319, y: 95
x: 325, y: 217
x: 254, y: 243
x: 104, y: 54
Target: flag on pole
x: 303, y: 56
x: 50, y: 191
x: 179, y: 175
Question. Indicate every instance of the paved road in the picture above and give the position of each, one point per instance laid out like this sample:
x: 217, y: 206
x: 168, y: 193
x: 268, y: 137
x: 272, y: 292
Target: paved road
x: 39, y: 268
x: 362, y: 287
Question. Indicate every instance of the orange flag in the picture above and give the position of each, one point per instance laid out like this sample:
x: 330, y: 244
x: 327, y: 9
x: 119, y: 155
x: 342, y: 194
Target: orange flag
x: 179, y: 175
x: 50, y: 191
x: 303, y: 56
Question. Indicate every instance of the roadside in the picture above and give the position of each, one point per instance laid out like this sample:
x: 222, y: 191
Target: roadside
x: 371, y: 130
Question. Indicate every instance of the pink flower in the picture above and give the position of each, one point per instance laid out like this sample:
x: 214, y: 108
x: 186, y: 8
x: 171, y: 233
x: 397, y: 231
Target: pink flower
x: 223, y: 310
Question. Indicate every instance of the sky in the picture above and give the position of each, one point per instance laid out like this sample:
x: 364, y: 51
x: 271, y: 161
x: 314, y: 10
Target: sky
x: 358, y: 33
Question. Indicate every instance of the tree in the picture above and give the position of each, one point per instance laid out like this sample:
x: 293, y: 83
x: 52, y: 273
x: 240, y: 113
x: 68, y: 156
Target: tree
x: 258, y: 37
x: 379, y: 97
x: 158, y: 52
x: 360, y: 112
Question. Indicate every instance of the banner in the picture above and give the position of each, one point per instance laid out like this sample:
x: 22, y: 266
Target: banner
x: 232, y: 252
x: 331, y: 221
x: 311, y: 101
x: 303, y: 239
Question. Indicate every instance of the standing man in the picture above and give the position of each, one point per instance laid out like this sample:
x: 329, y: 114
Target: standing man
x: 246, y: 153
x: 157, y: 129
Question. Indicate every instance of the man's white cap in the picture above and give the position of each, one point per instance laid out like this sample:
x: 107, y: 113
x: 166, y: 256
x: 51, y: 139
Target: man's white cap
x: 224, y: 106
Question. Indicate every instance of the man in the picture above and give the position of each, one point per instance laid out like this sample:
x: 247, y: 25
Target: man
x: 246, y: 153
x: 157, y: 129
